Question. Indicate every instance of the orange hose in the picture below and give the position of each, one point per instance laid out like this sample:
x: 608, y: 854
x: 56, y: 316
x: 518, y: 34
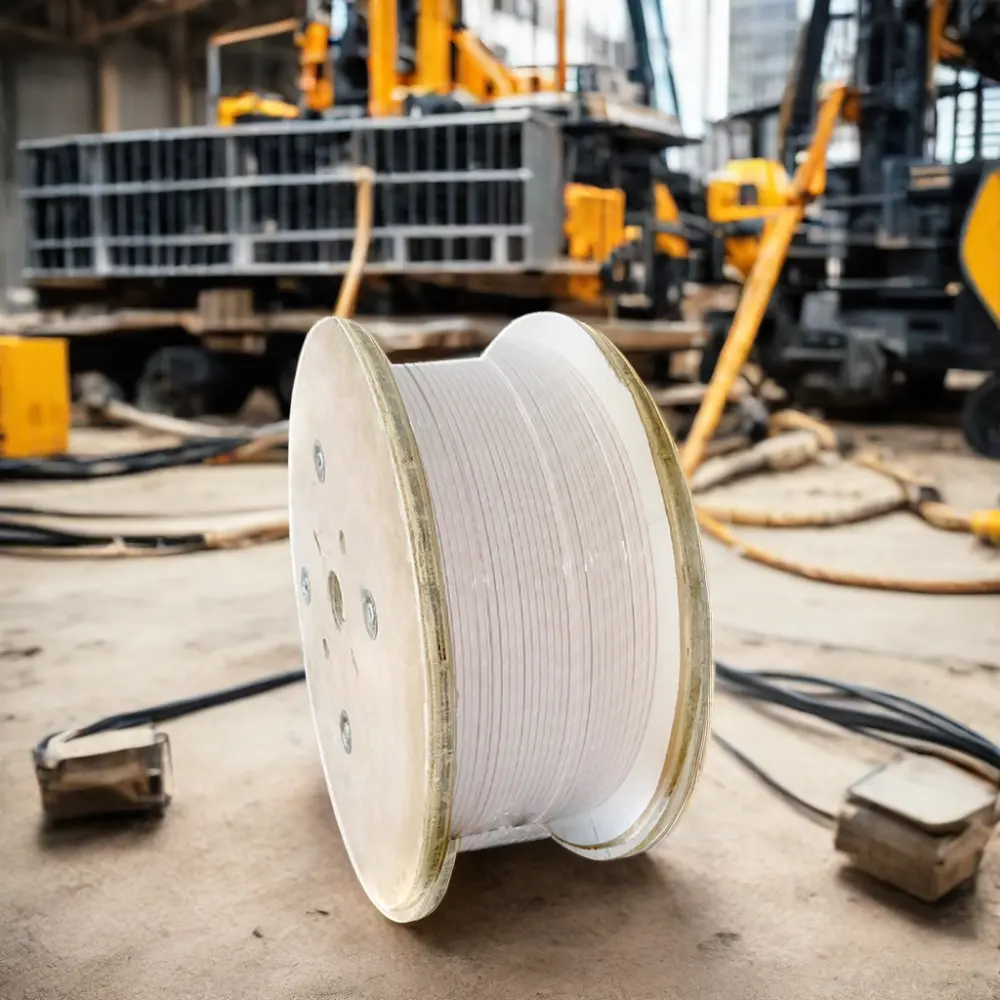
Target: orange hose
x: 867, y: 510
x: 983, y: 524
x: 938, y: 514
x: 842, y: 578
x: 795, y: 420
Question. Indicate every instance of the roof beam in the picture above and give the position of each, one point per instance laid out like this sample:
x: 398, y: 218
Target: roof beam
x: 148, y: 13
x: 31, y: 33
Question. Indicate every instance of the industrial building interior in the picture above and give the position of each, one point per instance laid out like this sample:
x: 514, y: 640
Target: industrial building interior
x: 448, y: 443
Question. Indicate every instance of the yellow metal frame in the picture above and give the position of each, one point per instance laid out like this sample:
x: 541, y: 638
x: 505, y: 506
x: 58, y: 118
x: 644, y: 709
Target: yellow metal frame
x: 479, y: 71
x: 773, y: 189
x: 229, y: 109
x: 667, y: 213
x: 434, y: 30
x: 449, y: 58
x: 594, y: 228
x: 315, y: 68
x: 383, y: 58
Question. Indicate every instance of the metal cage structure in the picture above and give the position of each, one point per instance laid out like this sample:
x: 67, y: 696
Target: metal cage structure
x: 477, y: 191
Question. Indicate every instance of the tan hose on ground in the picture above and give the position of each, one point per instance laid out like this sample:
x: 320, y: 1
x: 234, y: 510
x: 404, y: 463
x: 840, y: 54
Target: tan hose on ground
x: 777, y: 454
x: 711, y: 519
x: 927, y: 503
x: 917, y: 494
x: 118, y: 412
x: 784, y: 452
x: 794, y: 420
x: 864, y: 510
x: 841, y: 578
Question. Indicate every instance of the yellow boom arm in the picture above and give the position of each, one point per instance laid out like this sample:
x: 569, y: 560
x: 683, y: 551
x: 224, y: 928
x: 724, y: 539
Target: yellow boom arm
x: 809, y: 182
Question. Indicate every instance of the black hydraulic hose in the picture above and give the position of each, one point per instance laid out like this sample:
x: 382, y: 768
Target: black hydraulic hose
x: 14, y: 534
x: 899, y: 717
x: 75, y: 468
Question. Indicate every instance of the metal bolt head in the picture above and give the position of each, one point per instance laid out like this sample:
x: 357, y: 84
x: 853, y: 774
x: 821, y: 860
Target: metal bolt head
x: 345, y: 732
x: 304, y: 585
x: 319, y: 460
x: 371, y: 614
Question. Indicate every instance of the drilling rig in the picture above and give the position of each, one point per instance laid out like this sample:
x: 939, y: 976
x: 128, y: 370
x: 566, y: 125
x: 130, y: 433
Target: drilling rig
x: 893, y: 277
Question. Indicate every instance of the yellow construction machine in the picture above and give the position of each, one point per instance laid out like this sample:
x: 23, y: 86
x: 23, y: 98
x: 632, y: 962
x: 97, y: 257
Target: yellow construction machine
x: 385, y: 58
x: 892, y: 278
x: 491, y: 191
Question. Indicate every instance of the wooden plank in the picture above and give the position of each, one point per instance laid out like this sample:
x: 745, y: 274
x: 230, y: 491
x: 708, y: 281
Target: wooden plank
x: 449, y: 333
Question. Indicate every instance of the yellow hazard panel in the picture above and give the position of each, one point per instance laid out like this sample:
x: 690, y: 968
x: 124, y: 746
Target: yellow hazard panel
x: 980, y: 252
x: 34, y: 397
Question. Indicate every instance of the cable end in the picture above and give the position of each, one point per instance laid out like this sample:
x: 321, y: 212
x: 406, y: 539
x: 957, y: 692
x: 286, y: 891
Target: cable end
x: 918, y: 823
x: 121, y: 771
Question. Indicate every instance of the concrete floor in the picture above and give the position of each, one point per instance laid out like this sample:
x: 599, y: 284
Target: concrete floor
x: 244, y: 889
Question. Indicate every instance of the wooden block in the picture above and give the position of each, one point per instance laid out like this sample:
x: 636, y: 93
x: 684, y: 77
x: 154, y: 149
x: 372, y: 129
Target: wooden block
x: 919, y: 824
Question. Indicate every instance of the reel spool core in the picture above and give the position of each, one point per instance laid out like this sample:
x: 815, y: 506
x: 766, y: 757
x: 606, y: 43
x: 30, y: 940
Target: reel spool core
x: 502, y: 601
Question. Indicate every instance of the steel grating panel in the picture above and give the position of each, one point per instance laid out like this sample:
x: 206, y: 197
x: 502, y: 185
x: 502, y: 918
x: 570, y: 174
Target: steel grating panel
x: 477, y: 191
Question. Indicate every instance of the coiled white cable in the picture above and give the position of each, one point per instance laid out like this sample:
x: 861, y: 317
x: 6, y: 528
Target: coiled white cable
x: 549, y: 585
x: 502, y: 601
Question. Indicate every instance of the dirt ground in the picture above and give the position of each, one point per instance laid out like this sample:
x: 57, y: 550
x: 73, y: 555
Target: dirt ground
x: 244, y: 889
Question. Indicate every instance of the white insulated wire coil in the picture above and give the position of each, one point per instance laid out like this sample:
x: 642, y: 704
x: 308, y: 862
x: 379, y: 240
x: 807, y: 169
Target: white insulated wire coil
x: 541, y: 662
x: 549, y: 586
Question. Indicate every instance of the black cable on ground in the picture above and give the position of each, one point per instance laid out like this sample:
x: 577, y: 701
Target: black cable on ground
x: 60, y: 513
x: 812, y: 811
x: 27, y: 539
x: 893, y: 716
x: 863, y: 710
x: 16, y: 534
x: 76, y: 467
x: 176, y: 709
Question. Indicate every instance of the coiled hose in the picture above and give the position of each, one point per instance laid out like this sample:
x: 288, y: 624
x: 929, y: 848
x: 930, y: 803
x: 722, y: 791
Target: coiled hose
x: 914, y: 494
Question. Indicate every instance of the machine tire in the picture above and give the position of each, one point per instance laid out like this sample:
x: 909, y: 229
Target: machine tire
x: 926, y: 390
x: 668, y: 283
x: 718, y: 329
x: 191, y: 382
x: 981, y: 418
